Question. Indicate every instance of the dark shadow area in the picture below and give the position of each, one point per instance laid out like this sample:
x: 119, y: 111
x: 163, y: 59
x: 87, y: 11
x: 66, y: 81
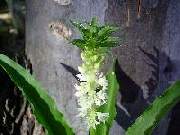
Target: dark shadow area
x: 128, y: 88
x: 130, y: 93
x: 174, y: 124
x: 12, y: 43
x: 132, y: 97
x: 172, y: 71
x: 152, y: 82
x: 10, y: 104
x: 71, y: 70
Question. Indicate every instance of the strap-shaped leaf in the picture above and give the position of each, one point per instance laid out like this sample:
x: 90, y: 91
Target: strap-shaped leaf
x: 110, y: 41
x: 78, y: 42
x: 43, y: 105
x: 106, y: 31
x: 110, y: 107
x: 153, y: 114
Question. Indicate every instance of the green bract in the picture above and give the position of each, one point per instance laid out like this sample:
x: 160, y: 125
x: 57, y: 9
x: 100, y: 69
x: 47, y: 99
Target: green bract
x: 95, y: 36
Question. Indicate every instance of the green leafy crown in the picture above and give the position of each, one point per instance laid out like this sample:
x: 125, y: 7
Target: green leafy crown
x: 95, y: 36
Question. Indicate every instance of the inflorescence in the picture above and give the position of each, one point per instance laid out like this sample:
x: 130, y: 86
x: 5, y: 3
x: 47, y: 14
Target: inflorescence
x: 91, y: 92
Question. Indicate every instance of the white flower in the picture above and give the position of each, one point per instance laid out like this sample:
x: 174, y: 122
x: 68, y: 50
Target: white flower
x: 102, y: 96
x: 91, y: 92
x: 96, y: 118
x: 102, y: 116
x: 79, y: 94
x: 102, y: 81
x: 81, y: 77
x: 82, y: 112
x: 77, y: 87
x: 85, y: 102
x: 80, y: 90
x: 98, y: 102
x: 92, y: 119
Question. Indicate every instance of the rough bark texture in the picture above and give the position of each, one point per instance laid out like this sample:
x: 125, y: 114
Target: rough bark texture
x: 151, y: 33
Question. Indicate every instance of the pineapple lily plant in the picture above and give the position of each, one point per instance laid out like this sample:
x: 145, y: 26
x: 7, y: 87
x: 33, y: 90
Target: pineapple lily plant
x: 92, y: 90
x: 96, y: 91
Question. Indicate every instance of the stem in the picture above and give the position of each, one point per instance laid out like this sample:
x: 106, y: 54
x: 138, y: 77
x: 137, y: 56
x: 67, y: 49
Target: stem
x: 92, y: 131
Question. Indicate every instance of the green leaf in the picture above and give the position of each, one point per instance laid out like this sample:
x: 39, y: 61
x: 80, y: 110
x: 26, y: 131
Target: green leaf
x: 106, y: 31
x: 110, y: 42
x: 96, y: 36
x: 93, y: 26
x: 153, y: 114
x: 43, y: 105
x: 94, y: 22
x: 83, y: 28
x: 110, y: 107
x: 79, y: 43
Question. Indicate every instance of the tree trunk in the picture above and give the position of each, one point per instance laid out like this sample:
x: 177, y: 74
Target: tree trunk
x: 147, y: 26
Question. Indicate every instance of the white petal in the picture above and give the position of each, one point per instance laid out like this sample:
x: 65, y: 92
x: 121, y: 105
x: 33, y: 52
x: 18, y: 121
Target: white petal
x: 81, y: 77
x: 98, y: 102
x: 102, y: 116
x: 77, y: 87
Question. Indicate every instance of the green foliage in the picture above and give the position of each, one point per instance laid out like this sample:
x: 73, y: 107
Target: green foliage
x: 95, y: 36
x: 110, y: 107
x: 43, y: 105
x: 153, y: 114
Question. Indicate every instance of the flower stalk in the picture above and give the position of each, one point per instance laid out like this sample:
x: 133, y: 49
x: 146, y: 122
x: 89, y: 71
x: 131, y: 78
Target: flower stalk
x: 91, y: 91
